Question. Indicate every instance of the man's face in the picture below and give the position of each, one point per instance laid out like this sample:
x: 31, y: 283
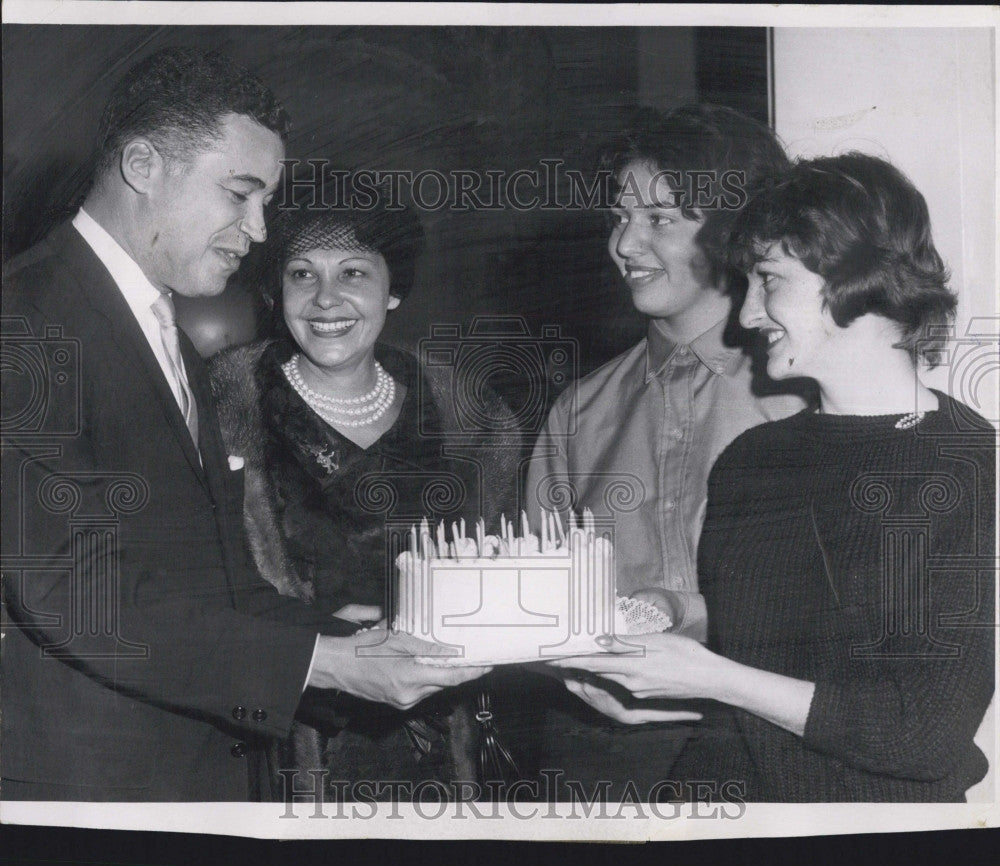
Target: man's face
x: 204, y: 214
x: 654, y: 246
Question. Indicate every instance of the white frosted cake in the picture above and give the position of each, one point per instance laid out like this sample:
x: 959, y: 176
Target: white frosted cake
x: 509, y: 598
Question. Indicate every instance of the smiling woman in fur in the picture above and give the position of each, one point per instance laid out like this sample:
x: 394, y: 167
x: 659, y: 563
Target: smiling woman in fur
x: 341, y: 434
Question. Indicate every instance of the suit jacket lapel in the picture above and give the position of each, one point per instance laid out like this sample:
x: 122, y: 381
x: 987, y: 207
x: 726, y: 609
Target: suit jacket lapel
x: 107, y: 300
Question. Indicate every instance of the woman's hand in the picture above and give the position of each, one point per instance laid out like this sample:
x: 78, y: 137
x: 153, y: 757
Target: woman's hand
x: 673, y: 666
x: 360, y: 613
x: 605, y: 702
x: 653, y: 665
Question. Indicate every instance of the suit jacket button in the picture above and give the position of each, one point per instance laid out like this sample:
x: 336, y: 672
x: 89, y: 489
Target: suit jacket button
x: 259, y: 715
x: 239, y: 750
x: 239, y: 713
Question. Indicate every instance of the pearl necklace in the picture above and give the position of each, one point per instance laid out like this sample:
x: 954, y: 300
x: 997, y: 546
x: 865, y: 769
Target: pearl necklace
x: 363, y: 410
x: 294, y: 374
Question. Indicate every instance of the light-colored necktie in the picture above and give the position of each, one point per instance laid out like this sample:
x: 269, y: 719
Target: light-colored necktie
x: 163, y: 309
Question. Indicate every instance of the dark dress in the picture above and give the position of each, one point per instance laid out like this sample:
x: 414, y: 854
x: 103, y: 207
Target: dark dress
x: 342, y: 512
x: 858, y: 556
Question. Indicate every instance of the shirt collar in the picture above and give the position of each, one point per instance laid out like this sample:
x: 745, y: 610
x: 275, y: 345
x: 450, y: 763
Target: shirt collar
x: 708, y: 348
x: 139, y: 292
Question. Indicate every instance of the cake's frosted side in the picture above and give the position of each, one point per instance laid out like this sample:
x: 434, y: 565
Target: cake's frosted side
x: 508, y: 597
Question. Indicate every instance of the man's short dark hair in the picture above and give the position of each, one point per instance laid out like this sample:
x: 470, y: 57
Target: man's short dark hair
x: 725, y: 152
x: 858, y: 222
x: 177, y: 99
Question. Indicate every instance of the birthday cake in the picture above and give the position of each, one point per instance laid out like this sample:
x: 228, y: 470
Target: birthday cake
x: 506, y: 598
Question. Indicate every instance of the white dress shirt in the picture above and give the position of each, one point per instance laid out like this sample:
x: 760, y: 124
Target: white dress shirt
x: 138, y: 291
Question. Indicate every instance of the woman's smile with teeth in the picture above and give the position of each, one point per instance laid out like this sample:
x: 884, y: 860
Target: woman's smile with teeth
x: 332, y: 327
x: 773, y: 336
x: 635, y: 273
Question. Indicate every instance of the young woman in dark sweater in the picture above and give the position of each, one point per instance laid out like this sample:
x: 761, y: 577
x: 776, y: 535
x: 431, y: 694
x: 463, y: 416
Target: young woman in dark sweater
x: 847, y: 557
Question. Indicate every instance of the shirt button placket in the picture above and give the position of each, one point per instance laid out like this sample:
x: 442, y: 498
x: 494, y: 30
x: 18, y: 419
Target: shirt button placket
x: 670, y: 466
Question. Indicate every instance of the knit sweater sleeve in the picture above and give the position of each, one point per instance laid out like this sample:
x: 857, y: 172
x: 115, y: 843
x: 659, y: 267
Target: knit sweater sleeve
x: 908, y: 704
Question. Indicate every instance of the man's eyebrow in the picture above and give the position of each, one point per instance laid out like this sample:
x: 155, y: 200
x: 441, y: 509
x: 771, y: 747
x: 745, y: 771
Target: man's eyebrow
x: 251, y: 179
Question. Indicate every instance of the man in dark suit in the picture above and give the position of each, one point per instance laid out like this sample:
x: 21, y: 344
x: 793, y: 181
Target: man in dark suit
x: 143, y: 658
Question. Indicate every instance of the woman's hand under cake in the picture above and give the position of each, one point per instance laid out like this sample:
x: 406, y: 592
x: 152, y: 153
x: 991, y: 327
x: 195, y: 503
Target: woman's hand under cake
x: 653, y: 665
x: 674, y: 666
x: 628, y: 712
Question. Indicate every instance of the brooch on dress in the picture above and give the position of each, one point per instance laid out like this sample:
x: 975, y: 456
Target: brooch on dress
x: 911, y: 420
x: 326, y: 458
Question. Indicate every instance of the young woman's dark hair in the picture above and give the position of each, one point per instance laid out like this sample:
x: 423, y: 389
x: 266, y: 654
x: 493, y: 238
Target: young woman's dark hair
x: 714, y: 159
x: 859, y: 223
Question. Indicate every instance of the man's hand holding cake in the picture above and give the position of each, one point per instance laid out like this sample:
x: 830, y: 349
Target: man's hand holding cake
x: 381, y: 666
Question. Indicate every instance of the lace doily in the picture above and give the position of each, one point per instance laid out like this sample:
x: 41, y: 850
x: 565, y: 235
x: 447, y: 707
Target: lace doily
x: 634, y: 616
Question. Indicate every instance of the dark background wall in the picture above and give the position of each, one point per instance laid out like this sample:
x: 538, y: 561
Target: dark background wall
x: 409, y: 98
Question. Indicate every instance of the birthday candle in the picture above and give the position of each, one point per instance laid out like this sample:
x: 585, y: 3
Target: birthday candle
x: 525, y: 532
x: 576, y: 569
x: 481, y: 537
x: 559, y: 528
x: 425, y: 531
x: 428, y: 544
x: 442, y: 545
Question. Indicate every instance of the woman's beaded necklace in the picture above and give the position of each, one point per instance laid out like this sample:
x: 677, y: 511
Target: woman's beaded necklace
x: 344, y: 412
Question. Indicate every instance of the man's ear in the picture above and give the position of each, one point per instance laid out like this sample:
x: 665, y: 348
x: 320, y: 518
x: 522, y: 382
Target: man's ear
x: 393, y: 302
x: 141, y: 165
